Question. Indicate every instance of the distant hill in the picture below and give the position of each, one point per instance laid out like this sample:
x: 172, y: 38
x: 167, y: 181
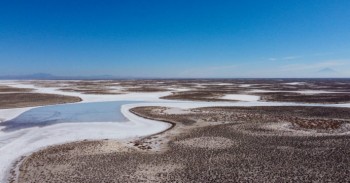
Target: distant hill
x: 46, y: 76
x: 327, y: 72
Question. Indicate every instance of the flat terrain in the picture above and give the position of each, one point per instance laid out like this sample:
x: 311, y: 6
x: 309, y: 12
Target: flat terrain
x: 223, y: 144
x: 8, y: 89
x: 305, y: 91
x: 105, y: 87
x: 304, y: 142
x: 275, y: 90
x: 314, y: 98
x: 16, y: 100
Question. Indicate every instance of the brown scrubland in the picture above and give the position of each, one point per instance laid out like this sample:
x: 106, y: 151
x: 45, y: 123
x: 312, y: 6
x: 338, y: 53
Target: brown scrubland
x: 16, y: 100
x: 216, y: 144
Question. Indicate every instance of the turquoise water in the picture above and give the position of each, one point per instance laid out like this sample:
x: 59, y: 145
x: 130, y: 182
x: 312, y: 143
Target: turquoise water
x: 68, y: 113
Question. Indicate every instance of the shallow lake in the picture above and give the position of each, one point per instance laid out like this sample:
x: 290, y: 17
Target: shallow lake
x: 68, y: 113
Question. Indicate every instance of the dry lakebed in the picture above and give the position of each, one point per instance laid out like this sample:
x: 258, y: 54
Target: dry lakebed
x: 239, y: 130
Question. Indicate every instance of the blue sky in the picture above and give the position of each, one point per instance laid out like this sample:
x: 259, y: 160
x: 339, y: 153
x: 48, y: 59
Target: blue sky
x: 164, y: 38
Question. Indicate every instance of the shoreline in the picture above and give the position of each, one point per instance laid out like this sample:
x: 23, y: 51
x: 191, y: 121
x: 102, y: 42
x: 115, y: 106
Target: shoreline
x: 86, y: 98
x: 149, y: 99
x: 186, y: 140
x: 129, y: 106
x: 14, y: 171
x: 83, y: 131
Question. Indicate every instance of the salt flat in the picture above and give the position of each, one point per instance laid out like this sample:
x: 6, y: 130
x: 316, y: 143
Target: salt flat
x: 241, y: 97
x: 21, y: 142
x: 17, y: 143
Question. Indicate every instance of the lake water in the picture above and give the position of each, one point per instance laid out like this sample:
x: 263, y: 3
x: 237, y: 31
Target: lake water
x: 68, y: 113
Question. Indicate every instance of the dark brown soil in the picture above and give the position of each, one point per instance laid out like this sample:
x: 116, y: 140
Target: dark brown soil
x: 317, y: 118
x: 314, y: 98
x: 92, y: 91
x: 211, y: 90
x: 196, y: 96
x: 13, y: 89
x: 249, y: 157
x: 15, y: 100
x: 145, y: 89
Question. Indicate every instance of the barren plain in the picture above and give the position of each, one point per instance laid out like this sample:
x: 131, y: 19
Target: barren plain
x: 243, y: 130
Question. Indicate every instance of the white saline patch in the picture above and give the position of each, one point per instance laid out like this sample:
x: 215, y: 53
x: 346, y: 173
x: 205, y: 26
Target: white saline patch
x: 8, y: 114
x: 147, y: 96
x: 14, y: 144
x: 245, y: 85
x: 241, y: 97
x: 17, y: 143
x: 295, y: 83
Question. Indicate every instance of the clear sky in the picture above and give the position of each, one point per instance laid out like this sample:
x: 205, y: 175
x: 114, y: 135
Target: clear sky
x: 177, y: 38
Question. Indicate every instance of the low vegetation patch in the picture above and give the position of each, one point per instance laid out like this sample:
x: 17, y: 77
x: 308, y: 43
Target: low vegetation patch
x: 15, y: 100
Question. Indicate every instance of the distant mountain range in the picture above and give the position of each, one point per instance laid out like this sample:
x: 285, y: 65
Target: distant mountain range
x: 46, y: 76
x: 327, y: 70
x: 323, y: 73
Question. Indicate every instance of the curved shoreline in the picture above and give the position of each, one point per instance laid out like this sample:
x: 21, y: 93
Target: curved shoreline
x: 15, y: 166
x: 111, y: 160
x: 142, y: 122
x: 134, y: 128
x: 137, y: 127
x: 171, y: 123
x: 133, y: 117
